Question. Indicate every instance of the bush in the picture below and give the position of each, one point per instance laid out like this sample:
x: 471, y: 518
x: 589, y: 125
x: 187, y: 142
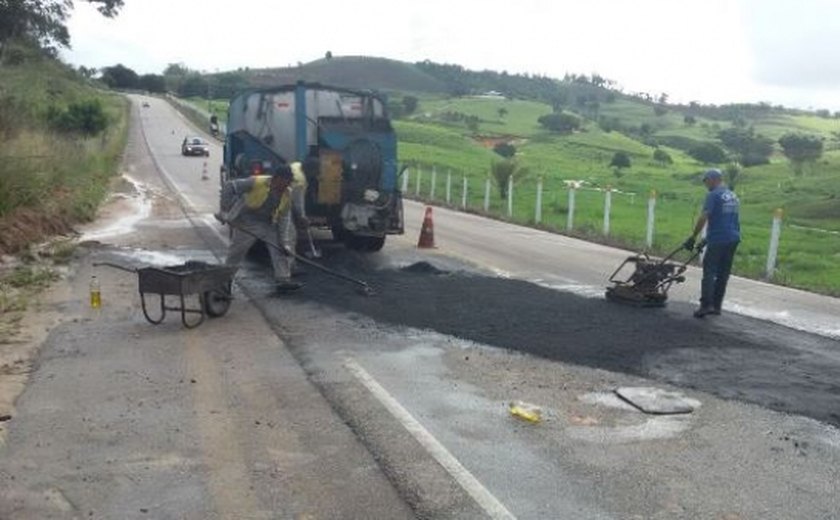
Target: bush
x: 87, y: 118
x: 506, y: 150
x: 662, y: 157
x: 562, y: 122
x: 708, y: 153
x: 620, y: 160
x: 503, y: 170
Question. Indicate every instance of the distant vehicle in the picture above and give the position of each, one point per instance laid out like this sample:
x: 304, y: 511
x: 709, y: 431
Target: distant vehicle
x: 145, y: 104
x: 195, y: 146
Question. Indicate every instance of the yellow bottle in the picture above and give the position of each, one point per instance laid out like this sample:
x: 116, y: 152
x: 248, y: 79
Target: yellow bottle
x: 95, y: 293
x: 525, y: 411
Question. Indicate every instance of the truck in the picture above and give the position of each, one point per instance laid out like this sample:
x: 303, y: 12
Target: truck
x: 345, y: 138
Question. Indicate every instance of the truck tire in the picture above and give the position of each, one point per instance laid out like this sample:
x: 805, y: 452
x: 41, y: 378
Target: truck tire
x: 363, y: 243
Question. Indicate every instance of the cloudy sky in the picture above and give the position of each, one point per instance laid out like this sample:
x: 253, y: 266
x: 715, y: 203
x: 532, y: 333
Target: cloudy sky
x: 714, y: 51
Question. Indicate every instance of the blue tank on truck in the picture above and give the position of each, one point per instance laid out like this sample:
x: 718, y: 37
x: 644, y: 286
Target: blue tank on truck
x: 346, y: 144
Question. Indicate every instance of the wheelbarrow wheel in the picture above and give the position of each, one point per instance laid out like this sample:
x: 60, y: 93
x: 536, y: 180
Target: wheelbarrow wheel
x: 217, y: 301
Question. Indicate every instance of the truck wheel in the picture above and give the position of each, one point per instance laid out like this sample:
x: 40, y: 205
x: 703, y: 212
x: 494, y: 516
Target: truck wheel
x: 375, y: 243
x: 363, y: 243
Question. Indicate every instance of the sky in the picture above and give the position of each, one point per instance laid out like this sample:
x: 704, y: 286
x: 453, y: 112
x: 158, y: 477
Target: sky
x: 711, y: 51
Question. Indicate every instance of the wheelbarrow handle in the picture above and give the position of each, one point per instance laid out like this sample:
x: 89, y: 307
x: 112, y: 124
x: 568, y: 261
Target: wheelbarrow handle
x: 116, y: 266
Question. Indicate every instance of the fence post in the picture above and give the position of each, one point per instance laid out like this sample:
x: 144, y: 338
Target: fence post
x: 773, y: 251
x: 406, y: 173
x: 607, y: 209
x: 417, y: 186
x: 434, y: 182
x: 650, y: 218
x: 448, y: 186
x: 487, y: 194
x: 510, y: 196
x: 538, y: 209
x: 570, y: 219
x: 464, y: 194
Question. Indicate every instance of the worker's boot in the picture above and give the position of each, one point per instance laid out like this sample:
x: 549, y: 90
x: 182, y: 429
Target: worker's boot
x: 287, y: 286
x: 702, y: 312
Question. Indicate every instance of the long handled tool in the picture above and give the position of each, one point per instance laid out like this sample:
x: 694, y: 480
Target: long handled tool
x: 365, y: 289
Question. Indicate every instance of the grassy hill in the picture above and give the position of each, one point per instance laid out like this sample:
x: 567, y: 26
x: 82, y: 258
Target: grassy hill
x: 353, y: 72
x: 52, y: 172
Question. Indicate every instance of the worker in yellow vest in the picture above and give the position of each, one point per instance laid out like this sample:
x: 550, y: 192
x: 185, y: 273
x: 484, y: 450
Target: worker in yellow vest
x: 255, y: 206
x: 290, y: 221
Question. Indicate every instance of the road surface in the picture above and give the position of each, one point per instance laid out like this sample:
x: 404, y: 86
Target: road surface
x: 328, y: 404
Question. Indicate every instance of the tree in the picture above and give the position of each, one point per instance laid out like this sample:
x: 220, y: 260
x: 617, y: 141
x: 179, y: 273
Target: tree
x: 43, y: 22
x: 328, y: 55
x: 752, y: 149
x: 689, y: 120
x: 120, y: 77
x: 733, y: 174
x: 562, y: 123
x: 506, y: 150
x: 153, y: 83
x: 410, y: 104
x: 801, y: 149
x: 502, y: 112
x: 505, y: 169
x: 662, y: 157
x: 620, y: 160
x: 708, y: 153
x: 660, y: 110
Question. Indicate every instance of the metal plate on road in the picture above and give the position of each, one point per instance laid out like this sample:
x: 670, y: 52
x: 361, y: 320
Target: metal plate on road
x: 656, y: 400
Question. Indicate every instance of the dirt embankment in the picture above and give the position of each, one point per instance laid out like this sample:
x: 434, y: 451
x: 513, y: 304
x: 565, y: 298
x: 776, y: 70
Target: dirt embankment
x: 26, y: 226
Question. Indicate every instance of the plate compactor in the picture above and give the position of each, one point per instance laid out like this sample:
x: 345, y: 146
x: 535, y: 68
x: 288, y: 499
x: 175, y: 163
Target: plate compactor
x: 648, y: 283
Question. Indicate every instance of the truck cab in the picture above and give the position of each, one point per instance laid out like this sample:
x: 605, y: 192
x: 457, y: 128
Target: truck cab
x: 346, y: 144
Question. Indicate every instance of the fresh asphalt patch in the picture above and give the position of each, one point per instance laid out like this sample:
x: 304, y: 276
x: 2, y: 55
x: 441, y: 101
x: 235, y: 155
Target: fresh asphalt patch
x: 732, y: 357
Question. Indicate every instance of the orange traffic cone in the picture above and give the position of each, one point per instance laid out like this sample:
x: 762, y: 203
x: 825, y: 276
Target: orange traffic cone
x: 427, y: 232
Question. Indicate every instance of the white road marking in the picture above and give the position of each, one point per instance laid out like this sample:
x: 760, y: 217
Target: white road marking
x: 490, y: 504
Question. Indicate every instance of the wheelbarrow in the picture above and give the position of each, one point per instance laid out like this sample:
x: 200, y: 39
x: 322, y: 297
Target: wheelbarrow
x: 211, y: 283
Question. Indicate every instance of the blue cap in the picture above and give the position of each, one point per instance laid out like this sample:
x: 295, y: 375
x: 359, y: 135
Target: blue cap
x: 714, y: 173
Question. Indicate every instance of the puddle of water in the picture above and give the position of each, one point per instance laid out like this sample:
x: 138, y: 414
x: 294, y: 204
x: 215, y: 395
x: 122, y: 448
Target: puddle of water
x: 134, y: 208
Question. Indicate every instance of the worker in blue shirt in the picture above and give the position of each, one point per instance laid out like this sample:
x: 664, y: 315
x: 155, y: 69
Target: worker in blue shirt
x: 723, y: 234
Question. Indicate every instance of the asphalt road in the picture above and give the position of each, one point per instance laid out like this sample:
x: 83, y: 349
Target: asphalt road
x: 328, y: 404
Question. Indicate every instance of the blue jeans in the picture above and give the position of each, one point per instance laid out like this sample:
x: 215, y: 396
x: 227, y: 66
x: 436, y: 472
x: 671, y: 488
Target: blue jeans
x: 717, y: 264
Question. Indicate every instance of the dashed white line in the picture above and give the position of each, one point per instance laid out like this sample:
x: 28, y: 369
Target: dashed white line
x: 489, y: 503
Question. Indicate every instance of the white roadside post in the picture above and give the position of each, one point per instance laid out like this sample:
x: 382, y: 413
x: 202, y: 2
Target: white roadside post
x: 570, y: 218
x: 773, y: 251
x: 417, y: 186
x: 510, y: 196
x: 487, y: 194
x: 651, y: 215
x: 434, y: 181
x: 406, y: 173
x: 448, y: 186
x: 464, y: 194
x: 538, y: 208
x: 607, y: 209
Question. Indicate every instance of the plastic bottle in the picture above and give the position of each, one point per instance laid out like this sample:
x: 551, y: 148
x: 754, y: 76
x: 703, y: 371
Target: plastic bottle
x: 525, y: 411
x: 95, y: 293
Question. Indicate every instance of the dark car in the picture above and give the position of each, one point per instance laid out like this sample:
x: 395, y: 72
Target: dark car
x: 195, y: 146
x: 146, y: 104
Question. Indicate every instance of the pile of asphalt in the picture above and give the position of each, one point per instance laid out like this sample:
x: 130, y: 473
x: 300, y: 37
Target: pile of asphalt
x: 754, y: 364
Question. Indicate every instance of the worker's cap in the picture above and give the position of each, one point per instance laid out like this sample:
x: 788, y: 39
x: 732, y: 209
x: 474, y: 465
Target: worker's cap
x: 282, y: 171
x: 713, y: 174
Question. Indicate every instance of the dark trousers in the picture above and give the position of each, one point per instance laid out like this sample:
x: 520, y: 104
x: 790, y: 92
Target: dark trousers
x: 717, y: 264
